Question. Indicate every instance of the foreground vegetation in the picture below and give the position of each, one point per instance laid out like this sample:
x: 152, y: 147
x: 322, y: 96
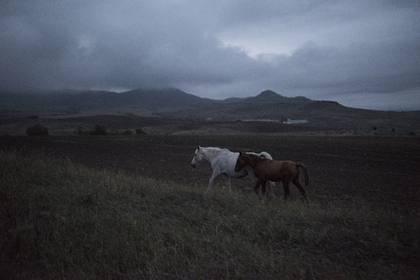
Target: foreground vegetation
x: 61, y: 220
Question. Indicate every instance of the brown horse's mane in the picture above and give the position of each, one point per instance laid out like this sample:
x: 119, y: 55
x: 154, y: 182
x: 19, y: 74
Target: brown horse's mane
x: 254, y: 159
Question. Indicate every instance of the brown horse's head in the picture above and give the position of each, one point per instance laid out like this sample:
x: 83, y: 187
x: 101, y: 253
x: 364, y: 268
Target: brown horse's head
x: 247, y: 159
x: 241, y: 161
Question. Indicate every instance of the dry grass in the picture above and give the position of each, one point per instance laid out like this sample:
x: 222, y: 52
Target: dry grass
x: 61, y: 220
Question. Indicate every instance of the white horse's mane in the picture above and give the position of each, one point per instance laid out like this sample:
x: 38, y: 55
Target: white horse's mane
x: 212, y: 152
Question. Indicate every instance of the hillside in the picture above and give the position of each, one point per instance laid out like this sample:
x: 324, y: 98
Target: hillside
x: 266, y: 105
x: 132, y: 208
x: 326, y: 115
x: 172, y: 103
x: 269, y: 96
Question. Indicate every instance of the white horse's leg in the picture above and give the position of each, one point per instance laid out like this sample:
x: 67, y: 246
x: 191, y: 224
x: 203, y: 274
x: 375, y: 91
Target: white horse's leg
x: 272, y: 185
x: 212, y: 178
x: 227, y: 182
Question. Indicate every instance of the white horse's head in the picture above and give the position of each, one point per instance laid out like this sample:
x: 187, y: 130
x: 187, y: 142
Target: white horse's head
x: 198, y: 156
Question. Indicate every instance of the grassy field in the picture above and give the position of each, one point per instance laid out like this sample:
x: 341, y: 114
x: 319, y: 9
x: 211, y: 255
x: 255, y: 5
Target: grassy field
x: 118, y: 207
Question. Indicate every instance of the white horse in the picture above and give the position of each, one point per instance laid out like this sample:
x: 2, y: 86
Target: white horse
x: 223, y: 162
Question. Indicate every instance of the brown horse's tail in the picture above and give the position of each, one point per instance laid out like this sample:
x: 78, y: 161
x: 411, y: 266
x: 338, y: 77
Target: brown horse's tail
x: 305, y: 172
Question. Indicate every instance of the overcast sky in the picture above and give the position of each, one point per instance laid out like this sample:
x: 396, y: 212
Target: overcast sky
x: 363, y: 54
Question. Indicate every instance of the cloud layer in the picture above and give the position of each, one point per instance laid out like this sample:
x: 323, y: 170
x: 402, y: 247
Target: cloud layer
x: 331, y: 50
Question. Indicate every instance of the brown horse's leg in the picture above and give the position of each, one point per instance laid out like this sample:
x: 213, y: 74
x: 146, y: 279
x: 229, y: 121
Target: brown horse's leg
x: 257, y: 184
x: 300, y: 187
x: 263, y: 187
x: 286, y: 189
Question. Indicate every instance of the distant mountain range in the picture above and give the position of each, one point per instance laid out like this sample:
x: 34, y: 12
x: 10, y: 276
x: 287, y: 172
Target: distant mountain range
x: 174, y: 103
x: 169, y: 99
x: 165, y: 100
x: 153, y: 100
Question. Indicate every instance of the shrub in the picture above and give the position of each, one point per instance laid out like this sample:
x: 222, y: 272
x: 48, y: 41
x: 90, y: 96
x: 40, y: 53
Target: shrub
x: 99, y: 129
x: 37, y: 130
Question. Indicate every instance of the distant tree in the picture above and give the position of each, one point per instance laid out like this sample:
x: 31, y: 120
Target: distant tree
x: 99, y: 129
x: 140, y: 131
x: 37, y: 130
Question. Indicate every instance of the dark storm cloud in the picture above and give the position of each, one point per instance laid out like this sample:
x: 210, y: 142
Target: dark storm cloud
x: 320, y: 49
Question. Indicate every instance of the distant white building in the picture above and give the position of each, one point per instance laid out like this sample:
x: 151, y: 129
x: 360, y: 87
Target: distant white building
x: 290, y: 121
x: 259, y: 120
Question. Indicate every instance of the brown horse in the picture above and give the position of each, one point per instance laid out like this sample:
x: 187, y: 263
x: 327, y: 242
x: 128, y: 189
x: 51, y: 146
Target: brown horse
x: 274, y: 170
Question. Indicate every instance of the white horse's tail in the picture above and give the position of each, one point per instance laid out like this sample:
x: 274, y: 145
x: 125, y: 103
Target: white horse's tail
x: 265, y: 155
